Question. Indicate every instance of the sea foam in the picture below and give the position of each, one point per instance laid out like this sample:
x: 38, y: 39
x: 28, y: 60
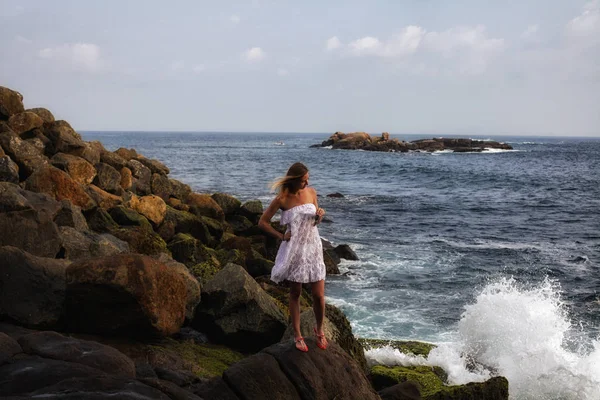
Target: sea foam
x: 522, y: 333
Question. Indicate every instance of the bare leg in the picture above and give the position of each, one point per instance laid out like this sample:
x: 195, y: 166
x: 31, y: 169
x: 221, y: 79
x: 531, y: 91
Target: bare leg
x: 295, y: 291
x: 318, y: 294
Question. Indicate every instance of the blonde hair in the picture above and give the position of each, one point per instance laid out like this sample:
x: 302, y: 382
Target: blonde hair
x: 291, y: 180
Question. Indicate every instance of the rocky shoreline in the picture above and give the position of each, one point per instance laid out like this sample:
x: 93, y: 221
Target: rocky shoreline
x: 117, y: 281
x: 364, y: 141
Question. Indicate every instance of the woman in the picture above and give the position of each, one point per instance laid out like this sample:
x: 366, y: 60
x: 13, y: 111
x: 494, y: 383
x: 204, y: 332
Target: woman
x: 300, y: 256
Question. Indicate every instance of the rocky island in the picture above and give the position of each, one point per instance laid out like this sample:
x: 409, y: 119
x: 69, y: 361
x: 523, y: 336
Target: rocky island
x: 364, y: 141
x: 117, y: 281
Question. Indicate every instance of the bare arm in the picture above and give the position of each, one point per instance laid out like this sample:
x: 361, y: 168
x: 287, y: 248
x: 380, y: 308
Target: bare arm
x: 265, y: 219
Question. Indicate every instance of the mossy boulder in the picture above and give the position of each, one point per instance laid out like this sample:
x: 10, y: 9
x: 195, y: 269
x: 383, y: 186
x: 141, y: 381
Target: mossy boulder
x: 183, y: 248
x: 215, y: 227
x: 493, y: 389
x: 176, y: 221
x: 127, y: 217
x: 427, y: 378
x: 142, y: 240
x: 228, y: 203
x: 252, y: 210
x: 99, y: 220
x: 239, y: 224
x: 206, y: 270
x: 407, y: 347
x: 204, y: 205
x: 345, y: 338
x: 257, y: 265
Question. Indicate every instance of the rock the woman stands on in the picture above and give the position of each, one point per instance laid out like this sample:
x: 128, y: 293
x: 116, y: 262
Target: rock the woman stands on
x: 300, y: 256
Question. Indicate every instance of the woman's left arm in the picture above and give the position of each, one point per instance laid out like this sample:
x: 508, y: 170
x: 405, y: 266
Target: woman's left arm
x: 320, y: 211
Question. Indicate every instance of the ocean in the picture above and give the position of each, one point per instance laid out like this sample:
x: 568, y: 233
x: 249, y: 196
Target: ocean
x: 494, y: 254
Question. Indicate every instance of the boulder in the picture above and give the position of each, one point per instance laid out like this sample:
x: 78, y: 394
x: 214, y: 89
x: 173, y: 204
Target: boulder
x: 312, y: 374
x: 93, y: 354
x: 126, y: 154
x: 229, y: 204
x: 33, y: 288
x: 27, y: 156
x: 25, y: 121
x: 27, y: 223
x: 192, y: 285
x: 126, y: 178
x: 103, y: 199
x: 127, y: 294
x: 11, y: 103
x: 204, y: 205
x: 141, y: 240
x: 99, y: 220
x: 307, y: 323
x: 180, y: 190
x: 161, y: 186
x: 152, y: 207
x: 64, y: 138
x: 331, y: 260
x: 142, y: 175
x: 239, y: 224
x: 108, y: 179
x: 113, y: 159
x: 257, y: 265
x: 43, y: 113
x: 79, y: 169
x: 59, y: 185
x: 408, y: 390
x: 177, y: 204
x: 344, y: 251
x: 8, y: 347
x: 253, y: 210
x: 78, y: 245
x: 91, y: 152
x: 9, y: 170
x: 128, y: 217
x: 70, y: 215
x: 335, y: 195
x: 183, y: 222
x: 155, y: 166
x: 236, y: 311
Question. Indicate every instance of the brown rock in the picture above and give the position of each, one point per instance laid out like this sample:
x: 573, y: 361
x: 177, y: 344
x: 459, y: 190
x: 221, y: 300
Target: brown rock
x: 113, y: 159
x: 130, y: 294
x: 229, y: 204
x: 103, y: 199
x: 64, y: 138
x: 79, y: 169
x: 126, y: 178
x: 70, y: 215
x: 11, y: 103
x: 43, y: 113
x: 91, y: 152
x: 177, y: 204
x: 155, y: 166
x: 180, y: 190
x: 27, y: 156
x: 204, y: 205
x: 24, y: 122
x: 59, y: 185
x: 141, y: 185
x: 77, y: 245
x: 152, y: 207
x: 9, y: 171
x: 127, y: 154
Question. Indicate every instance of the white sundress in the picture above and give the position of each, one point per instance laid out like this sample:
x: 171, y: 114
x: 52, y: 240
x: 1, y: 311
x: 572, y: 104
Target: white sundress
x: 301, y: 258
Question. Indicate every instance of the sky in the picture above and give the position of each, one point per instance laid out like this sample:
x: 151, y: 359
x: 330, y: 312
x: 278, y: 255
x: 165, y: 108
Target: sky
x: 473, y: 67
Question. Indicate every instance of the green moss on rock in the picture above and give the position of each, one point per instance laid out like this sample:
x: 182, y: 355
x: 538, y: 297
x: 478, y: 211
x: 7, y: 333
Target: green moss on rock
x: 406, y: 347
x: 383, y: 377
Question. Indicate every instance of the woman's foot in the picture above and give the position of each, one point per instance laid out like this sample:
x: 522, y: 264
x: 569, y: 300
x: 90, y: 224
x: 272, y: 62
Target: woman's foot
x: 300, y: 345
x: 321, y: 339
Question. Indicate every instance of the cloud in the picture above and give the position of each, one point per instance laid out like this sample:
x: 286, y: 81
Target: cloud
x: 235, y: 19
x: 23, y: 40
x: 530, y: 32
x: 587, y: 23
x: 199, y: 68
x: 253, y: 55
x: 333, y: 43
x: 283, y: 72
x: 79, y: 56
x: 470, y: 47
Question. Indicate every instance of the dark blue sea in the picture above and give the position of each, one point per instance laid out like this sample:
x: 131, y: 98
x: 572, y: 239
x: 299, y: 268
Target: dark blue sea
x: 493, y: 254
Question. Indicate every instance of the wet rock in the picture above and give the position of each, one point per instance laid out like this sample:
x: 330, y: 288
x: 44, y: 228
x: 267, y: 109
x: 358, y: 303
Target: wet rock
x: 335, y: 195
x: 331, y: 260
x: 59, y: 185
x: 93, y: 354
x: 344, y: 251
x: 108, y: 179
x: 25, y: 121
x: 33, y: 288
x: 235, y: 310
x: 43, y: 113
x: 126, y: 294
x: 79, y: 169
x: 11, y: 103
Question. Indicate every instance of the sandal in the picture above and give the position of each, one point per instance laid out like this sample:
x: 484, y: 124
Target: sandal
x: 321, y: 340
x: 303, y: 347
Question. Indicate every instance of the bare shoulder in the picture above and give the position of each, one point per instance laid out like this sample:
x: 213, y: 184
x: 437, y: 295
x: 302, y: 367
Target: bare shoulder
x: 313, y: 193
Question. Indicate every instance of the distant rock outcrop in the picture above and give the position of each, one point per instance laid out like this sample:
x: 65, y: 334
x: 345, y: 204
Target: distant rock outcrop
x: 364, y: 141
